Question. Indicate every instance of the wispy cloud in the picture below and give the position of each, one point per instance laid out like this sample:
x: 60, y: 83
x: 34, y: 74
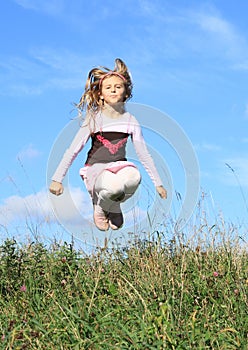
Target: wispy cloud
x: 72, y: 211
x: 208, y: 147
x: 51, y: 7
x: 246, y: 109
x: 58, y: 59
x: 173, y: 30
x: 38, y: 207
x: 224, y: 39
x: 22, y: 209
x: 197, y: 32
x: 243, y: 65
x: 42, y: 69
x: 214, y: 24
x: 28, y: 152
x: 19, y: 76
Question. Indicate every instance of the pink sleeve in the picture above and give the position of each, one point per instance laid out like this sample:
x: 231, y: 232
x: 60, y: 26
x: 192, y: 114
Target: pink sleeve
x: 143, y: 153
x: 71, y: 153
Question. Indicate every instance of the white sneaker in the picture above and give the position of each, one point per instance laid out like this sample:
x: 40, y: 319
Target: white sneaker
x: 100, y: 219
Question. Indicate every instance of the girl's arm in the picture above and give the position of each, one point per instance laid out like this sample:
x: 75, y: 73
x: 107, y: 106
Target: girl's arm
x: 70, y: 154
x: 146, y: 159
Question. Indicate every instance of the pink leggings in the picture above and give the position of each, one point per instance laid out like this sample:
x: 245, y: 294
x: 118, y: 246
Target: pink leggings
x: 111, y: 188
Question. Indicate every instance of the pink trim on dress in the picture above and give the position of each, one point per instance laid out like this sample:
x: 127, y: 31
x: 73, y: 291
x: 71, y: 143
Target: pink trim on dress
x: 113, y: 148
x: 114, y: 168
x: 89, y: 173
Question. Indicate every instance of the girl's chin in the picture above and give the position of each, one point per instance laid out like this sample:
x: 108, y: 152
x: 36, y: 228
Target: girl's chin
x: 111, y: 103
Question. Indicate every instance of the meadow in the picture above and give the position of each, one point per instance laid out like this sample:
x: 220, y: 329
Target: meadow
x: 151, y: 294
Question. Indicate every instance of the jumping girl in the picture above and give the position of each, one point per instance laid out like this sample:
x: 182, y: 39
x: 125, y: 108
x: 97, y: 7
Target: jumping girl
x: 109, y: 178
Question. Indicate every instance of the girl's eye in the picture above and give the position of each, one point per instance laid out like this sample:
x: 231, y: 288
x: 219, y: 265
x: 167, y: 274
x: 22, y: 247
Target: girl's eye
x: 109, y: 87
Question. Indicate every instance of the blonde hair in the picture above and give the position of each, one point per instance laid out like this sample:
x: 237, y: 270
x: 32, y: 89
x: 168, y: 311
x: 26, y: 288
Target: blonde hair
x: 90, y: 100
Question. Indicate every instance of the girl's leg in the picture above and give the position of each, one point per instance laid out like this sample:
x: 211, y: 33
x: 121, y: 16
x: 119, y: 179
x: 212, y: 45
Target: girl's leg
x: 116, y: 187
x: 113, y: 188
x: 130, y: 178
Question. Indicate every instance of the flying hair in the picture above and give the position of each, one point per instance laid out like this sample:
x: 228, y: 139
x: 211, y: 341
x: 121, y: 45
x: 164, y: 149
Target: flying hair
x: 90, y: 100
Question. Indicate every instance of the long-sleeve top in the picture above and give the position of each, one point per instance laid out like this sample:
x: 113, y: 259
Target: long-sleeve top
x: 113, y: 148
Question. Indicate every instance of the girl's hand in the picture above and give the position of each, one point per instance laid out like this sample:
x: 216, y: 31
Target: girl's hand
x: 162, y: 191
x: 56, y: 188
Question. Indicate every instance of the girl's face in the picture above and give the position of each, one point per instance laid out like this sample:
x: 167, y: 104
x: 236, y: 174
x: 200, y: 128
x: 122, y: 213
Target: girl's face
x: 113, y: 90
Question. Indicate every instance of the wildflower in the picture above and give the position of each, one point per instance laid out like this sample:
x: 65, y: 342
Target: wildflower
x: 23, y: 288
x: 215, y: 274
x: 63, y: 259
x: 236, y: 291
x: 3, y: 337
x: 63, y: 282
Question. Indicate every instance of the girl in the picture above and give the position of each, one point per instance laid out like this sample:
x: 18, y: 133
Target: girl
x: 109, y: 177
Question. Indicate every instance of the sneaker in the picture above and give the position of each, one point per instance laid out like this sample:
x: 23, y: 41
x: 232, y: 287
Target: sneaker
x: 115, y: 217
x: 100, y: 219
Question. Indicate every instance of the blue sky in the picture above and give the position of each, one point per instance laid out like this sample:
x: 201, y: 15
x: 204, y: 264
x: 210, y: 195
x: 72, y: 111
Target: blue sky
x: 188, y: 59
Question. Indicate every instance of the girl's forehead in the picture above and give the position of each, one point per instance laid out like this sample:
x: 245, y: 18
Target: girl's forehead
x: 112, y: 79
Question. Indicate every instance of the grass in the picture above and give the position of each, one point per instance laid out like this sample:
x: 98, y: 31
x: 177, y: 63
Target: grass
x: 149, y: 295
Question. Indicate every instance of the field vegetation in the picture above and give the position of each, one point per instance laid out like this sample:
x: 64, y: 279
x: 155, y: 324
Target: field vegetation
x: 152, y: 294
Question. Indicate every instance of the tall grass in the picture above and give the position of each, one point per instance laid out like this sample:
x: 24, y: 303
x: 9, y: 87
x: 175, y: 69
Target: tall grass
x: 152, y: 294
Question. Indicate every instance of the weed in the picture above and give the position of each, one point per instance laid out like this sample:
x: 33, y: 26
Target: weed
x: 152, y: 294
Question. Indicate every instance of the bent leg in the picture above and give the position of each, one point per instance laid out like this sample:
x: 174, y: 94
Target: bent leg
x: 108, y: 189
x: 130, y: 178
x: 113, y: 188
x: 117, y: 187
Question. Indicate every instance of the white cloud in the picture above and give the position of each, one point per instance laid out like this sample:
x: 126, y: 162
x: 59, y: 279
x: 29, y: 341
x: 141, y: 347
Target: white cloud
x: 17, y: 208
x: 225, y: 39
x: 220, y: 35
x: 40, y: 208
x: 199, y: 33
x: 73, y: 207
x: 218, y: 26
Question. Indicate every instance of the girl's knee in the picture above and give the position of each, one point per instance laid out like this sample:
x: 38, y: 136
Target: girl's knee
x: 131, y: 176
x: 115, y: 187
x: 136, y: 176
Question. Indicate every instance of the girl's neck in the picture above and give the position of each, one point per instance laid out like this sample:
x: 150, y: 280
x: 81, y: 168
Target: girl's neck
x: 114, y: 111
